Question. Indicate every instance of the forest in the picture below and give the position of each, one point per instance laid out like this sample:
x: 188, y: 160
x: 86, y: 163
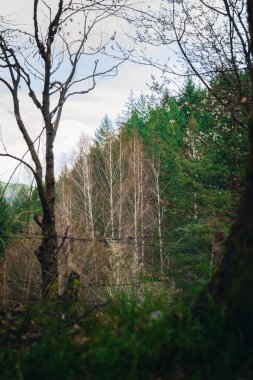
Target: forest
x: 135, y: 260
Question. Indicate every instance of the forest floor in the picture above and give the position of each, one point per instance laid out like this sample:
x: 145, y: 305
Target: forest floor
x: 124, y: 340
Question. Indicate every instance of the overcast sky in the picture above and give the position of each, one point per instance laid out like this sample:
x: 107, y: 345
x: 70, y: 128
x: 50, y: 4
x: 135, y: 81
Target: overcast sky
x: 82, y: 115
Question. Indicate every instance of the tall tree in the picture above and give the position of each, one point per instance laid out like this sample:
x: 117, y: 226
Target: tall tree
x: 83, y: 183
x: 103, y: 154
x: 232, y: 284
x: 34, y: 60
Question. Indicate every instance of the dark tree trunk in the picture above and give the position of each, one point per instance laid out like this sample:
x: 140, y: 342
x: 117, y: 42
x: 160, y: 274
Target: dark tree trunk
x: 47, y: 251
x: 232, y: 285
x: 47, y: 256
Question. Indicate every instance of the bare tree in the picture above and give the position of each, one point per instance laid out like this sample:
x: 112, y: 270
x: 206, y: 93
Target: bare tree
x: 159, y: 210
x: 207, y: 40
x: 50, y: 59
x: 105, y: 166
x: 82, y: 183
x: 213, y: 40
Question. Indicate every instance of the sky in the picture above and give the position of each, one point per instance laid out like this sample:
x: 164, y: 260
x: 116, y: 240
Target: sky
x: 81, y: 115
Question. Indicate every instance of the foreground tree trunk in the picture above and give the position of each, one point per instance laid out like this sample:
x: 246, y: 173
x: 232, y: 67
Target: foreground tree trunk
x: 232, y: 285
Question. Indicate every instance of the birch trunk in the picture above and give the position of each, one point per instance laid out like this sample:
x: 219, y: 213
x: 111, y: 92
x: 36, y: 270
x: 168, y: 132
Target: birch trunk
x: 159, y: 214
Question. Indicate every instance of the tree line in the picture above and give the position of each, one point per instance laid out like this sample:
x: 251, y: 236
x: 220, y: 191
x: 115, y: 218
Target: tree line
x: 159, y: 187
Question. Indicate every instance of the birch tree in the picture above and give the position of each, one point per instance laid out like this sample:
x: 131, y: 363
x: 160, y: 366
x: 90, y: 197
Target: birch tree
x: 105, y: 168
x: 83, y: 184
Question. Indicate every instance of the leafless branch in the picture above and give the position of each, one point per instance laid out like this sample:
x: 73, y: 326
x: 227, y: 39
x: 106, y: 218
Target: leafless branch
x: 20, y: 160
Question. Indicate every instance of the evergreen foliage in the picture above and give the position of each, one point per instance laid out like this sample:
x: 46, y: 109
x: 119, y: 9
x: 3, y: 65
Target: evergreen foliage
x: 168, y: 178
x: 16, y: 213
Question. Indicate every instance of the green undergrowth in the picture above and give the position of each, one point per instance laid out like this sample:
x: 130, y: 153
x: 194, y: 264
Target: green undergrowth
x: 123, y: 339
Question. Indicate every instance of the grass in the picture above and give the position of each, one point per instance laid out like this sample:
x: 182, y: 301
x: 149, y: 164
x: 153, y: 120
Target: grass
x: 124, y: 339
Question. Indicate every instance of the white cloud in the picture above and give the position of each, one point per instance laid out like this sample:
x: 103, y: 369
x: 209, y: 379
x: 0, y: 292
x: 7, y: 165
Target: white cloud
x: 82, y: 115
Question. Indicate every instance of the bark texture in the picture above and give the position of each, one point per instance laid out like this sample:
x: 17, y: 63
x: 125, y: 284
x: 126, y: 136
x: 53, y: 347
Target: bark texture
x: 232, y: 285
